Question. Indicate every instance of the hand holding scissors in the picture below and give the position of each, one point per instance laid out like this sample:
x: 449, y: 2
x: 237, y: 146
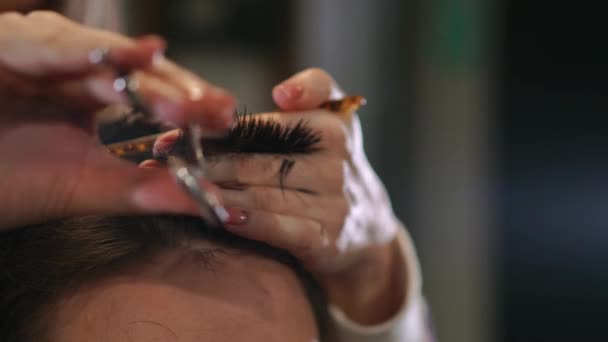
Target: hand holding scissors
x: 54, y: 75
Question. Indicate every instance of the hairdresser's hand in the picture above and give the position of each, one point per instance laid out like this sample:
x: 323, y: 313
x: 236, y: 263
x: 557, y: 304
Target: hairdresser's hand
x: 52, y: 163
x: 332, y: 211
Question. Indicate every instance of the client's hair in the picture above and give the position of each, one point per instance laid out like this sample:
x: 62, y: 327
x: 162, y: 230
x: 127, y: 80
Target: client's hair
x: 41, y: 263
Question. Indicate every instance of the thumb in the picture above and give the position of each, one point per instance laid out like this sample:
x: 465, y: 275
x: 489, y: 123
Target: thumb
x: 305, y: 90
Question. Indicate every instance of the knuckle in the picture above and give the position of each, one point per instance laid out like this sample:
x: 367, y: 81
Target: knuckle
x: 249, y: 168
x: 10, y: 17
x: 52, y: 55
x: 262, y: 198
x: 297, y: 202
x: 44, y: 15
x: 272, y: 225
x: 57, y: 34
x: 278, y: 169
x: 318, y: 73
x: 334, y: 131
x: 309, y: 241
x: 40, y: 15
x: 334, y: 139
x: 243, y: 169
x: 335, y: 171
x: 270, y: 167
x: 215, y: 170
x: 342, y: 209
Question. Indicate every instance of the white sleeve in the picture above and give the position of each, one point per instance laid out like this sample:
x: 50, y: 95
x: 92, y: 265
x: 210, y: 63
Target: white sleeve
x: 408, y: 325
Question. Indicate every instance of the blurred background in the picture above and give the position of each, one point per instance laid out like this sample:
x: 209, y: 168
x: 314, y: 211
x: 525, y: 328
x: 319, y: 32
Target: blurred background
x: 486, y: 119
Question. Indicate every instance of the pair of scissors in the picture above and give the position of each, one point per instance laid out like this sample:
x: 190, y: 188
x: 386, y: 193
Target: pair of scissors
x: 188, y: 176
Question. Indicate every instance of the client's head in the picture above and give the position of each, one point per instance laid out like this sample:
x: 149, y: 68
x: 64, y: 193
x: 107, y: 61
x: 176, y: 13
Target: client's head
x: 159, y: 278
x: 151, y: 278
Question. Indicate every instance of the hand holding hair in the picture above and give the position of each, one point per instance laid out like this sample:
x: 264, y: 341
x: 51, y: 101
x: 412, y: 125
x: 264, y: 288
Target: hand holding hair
x: 325, y: 204
x: 344, y: 229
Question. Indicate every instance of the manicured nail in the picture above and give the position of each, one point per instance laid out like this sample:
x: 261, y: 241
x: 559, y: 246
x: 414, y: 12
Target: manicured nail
x: 166, y: 141
x: 287, y: 92
x: 149, y: 164
x: 237, y: 216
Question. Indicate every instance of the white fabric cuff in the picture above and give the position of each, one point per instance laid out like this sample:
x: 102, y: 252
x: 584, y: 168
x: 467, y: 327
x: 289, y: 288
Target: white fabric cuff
x: 408, y: 324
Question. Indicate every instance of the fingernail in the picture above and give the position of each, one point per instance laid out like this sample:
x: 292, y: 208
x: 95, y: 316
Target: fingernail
x: 237, y: 216
x: 287, y: 92
x: 166, y: 141
x: 149, y: 164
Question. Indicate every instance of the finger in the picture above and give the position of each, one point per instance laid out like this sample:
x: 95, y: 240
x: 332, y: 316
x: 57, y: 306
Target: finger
x: 209, y: 105
x: 100, y: 88
x: 147, y: 49
x: 150, y: 163
x: 92, y: 92
x: 45, y: 44
x: 165, y: 141
x: 122, y: 188
x: 173, y: 104
x: 301, y: 237
x: 305, y: 90
x: 167, y: 103
x: 329, y: 209
x: 320, y: 174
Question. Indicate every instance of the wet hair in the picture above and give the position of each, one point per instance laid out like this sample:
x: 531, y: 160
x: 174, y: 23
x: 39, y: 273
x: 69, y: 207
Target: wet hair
x: 42, y: 263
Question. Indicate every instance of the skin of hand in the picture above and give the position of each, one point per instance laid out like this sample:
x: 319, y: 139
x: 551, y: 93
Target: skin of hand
x: 52, y: 160
x: 342, y: 226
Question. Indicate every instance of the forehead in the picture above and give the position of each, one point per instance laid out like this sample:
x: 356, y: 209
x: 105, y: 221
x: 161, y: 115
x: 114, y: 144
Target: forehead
x: 187, y: 296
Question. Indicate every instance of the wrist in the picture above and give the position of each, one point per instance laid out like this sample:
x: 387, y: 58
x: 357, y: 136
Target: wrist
x: 373, y: 289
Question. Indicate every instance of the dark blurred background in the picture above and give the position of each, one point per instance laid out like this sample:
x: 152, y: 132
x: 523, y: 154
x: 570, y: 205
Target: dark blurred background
x: 486, y: 120
x: 553, y: 182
